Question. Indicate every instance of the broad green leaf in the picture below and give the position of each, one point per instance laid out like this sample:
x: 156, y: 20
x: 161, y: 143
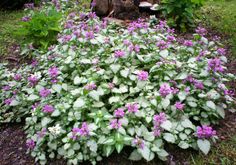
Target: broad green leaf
x: 211, y: 105
x: 135, y: 156
x: 79, y: 103
x: 169, y: 137
x: 204, y: 145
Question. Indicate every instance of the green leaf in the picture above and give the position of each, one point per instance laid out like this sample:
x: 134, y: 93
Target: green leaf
x: 135, y: 156
x: 57, y: 88
x: 79, y: 103
x: 182, y: 96
x: 108, y: 150
x: 183, y: 145
x: 95, y: 95
x: 165, y: 103
x: 119, y: 147
x: 115, y: 67
x: 146, y: 153
x: 56, y: 113
x: 204, y: 145
x: 181, y: 76
x: 124, y: 73
x: 211, y: 105
x: 167, y: 125
x: 169, y: 137
x: 164, y: 53
x: 32, y: 97
x: 45, y: 121
x: 114, y: 99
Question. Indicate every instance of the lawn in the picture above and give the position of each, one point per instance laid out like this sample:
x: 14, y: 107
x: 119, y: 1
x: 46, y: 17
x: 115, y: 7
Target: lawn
x: 220, y: 16
x: 9, y: 24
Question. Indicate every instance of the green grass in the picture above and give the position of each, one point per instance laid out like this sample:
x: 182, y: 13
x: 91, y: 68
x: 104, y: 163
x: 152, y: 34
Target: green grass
x: 220, y: 15
x: 9, y: 24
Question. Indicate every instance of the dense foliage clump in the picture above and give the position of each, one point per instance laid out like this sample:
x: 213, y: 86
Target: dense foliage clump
x: 103, y: 87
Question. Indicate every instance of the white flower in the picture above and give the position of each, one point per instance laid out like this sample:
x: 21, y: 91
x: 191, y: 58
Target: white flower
x: 55, y: 130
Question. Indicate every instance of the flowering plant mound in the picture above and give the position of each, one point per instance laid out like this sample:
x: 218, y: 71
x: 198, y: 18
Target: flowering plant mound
x: 104, y: 87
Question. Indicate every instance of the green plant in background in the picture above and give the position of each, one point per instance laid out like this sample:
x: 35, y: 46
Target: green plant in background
x: 180, y: 14
x: 41, y: 28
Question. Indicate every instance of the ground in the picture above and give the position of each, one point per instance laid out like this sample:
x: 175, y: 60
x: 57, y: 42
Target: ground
x: 219, y: 17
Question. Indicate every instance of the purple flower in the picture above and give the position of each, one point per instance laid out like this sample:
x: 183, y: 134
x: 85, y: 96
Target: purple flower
x: 188, y: 43
x: 8, y: 101
x: 221, y: 51
x: 93, y: 4
x: 35, y: 105
x: 162, y: 44
x: 34, y: 63
x: 165, y: 90
x: 17, y: 77
x: 30, y: 143
x: 126, y: 42
x: 138, y: 142
x: 44, y: 92
x: 48, y: 109
x: 69, y: 24
x: 92, y: 15
x: 29, y: 5
x: 205, y: 132
x: 201, y: 31
x: 119, y: 113
x: 89, y: 35
x: 198, y: 85
x: 6, y: 88
x: 142, y: 75
x: 42, y: 133
x: 159, y: 119
x: 115, y: 124
x: 111, y: 85
x: 25, y: 19
x: 132, y: 108
x: 33, y: 80
x: 215, y: 65
x: 53, y: 72
x: 74, y: 133
x: 119, y: 53
x: 179, y: 105
x: 84, y: 130
x: 90, y: 86
x: 170, y: 38
x: 66, y: 38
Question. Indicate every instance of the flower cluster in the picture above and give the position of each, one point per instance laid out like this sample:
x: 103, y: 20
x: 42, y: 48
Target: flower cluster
x: 205, y: 132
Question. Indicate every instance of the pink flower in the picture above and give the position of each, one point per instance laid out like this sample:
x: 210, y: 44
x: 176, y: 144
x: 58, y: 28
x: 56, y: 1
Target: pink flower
x: 48, y: 109
x: 44, y: 92
x: 89, y: 35
x: 221, y: 51
x: 30, y: 143
x: 90, y: 86
x: 132, y: 108
x: 205, y: 132
x: 115, y: 124
x: 165, y: 90
x: 33, y: 80
x: 111, y: 85
x: 34, y: 63
x: 6, y: 88
x: 198, y: 85
x: 119, y: 53
x: 201, y: 31
x: 188, y: 43
x: 162, y: 44
x: 8, y: 101
x: 53, y: 72
x: 159, y: 119
x: 119, y: 113
x: 84, y: 130
x: 142, y: 75
x: 179, y: 106
x: 17, y: 77
x: 138, y: 142
x: 215, y: 65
